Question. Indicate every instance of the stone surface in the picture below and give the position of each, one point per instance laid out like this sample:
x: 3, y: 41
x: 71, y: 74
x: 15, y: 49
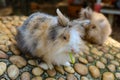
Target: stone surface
x: 90, y: 59
x: 109, y: 56
x: 81, y: 69
x: 25, y: 76
x: 117, y: 75
x: 100, y: 65
x: 118, y: 55
x: 18, y: 61
x: 61, y: 78
x: 3, y: 67
x: 50, y: 79
x: 13, y: 72
x: 4, y: 48
x: 3, y: 79
x: 94, y: 71
x: 104, y: 58
x: 3, y: 55
x: 84, y: 78
x: 37, y: 71
x: 37, y: 78
x: 115, y: 62
x: 69, y: 69
x: 111, y: 67
x: 14, y: 49
x: 108, y: 76
x: 51, y: 72
x: 32, y: 62
x: 83, y: 60
x: 71, y: 77
x: 96, y: 52
x: 59, y: 69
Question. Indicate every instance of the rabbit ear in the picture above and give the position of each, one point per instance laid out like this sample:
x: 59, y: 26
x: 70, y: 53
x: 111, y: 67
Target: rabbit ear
x: 102, y: 23
x: 89, y: 12
x: 86, y: 13
x: 61, y: 18
x: 85, y: 23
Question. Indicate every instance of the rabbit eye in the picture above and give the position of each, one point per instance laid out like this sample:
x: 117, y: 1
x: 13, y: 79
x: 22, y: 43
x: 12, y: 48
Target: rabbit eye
x: 64, y: 37
x: 70, y: 26
x: 93, y: 27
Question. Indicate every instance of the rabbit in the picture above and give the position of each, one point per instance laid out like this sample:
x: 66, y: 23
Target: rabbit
x: 50, y: 38
x: 97, y: 27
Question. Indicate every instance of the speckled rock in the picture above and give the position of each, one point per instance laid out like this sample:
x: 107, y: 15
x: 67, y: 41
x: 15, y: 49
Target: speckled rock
x: 25, y: 76
x: 32, y: 62
x: 115, y: 49
x: 37, y: 78
x: 90, y: 59
x: 84, y: 78
x: 3, y: 55
x: 61, y: 78
x: 116, y: 63
x: 69, y: 69
x: 81, y: 53
x: 100, y: 65
x: 3, y: 67
x: 108, y: 76
x: 37, y: 71
x: 104, y: 60
x: 3, y: 79
x: 118, y: 55
x: 4, y: 48
x: 18, y: 61
x: 83, y: 60
x: 14, y: 49
x: 50, y: 79
x: 8, y: 43
x: 71, y: 77
x: 81, y: 69
x: 109, y: 56
x: 96, y: 52
x: 96, y: 57
x: 4, y: 37
x: 13, y: 72
x: 111, y: 67
x: 94, y: 71
x: 51, y: 72
x: 117, y: 75
x: 60, y: 69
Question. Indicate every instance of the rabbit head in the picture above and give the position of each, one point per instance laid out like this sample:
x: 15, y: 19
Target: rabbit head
x: 99, y: 28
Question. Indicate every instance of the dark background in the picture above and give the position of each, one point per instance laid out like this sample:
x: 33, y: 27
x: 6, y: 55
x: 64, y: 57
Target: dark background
x: 70, y: 8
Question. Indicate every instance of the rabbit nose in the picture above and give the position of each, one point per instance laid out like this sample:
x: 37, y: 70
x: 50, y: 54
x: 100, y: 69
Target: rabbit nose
x: 72, y: 50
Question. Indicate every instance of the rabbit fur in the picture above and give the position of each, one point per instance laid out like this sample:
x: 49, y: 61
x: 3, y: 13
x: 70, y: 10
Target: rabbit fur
x: 50, y: 38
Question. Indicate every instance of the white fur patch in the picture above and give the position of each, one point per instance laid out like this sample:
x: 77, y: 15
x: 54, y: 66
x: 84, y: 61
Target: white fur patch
x: 82, y: 21
x: 75, y: 40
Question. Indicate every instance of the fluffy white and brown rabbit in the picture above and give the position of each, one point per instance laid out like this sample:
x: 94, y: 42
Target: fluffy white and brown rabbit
x: 49, y: 38
x: 97, y: 29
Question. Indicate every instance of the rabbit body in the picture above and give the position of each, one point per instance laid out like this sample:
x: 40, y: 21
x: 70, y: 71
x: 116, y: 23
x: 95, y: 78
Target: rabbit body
x: 99, y: 28
x: 50, y: 38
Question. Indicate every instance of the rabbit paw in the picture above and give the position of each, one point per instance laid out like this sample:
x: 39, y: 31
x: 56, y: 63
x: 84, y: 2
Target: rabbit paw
x: 46, y: 66
x: 66, y: 64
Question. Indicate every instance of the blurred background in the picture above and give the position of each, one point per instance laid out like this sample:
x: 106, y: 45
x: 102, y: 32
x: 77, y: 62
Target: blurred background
x: 71, y: 8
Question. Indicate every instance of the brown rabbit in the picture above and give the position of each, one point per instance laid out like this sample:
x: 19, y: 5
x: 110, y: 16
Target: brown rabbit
x: 99, y: 28
x: 49, y: 38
